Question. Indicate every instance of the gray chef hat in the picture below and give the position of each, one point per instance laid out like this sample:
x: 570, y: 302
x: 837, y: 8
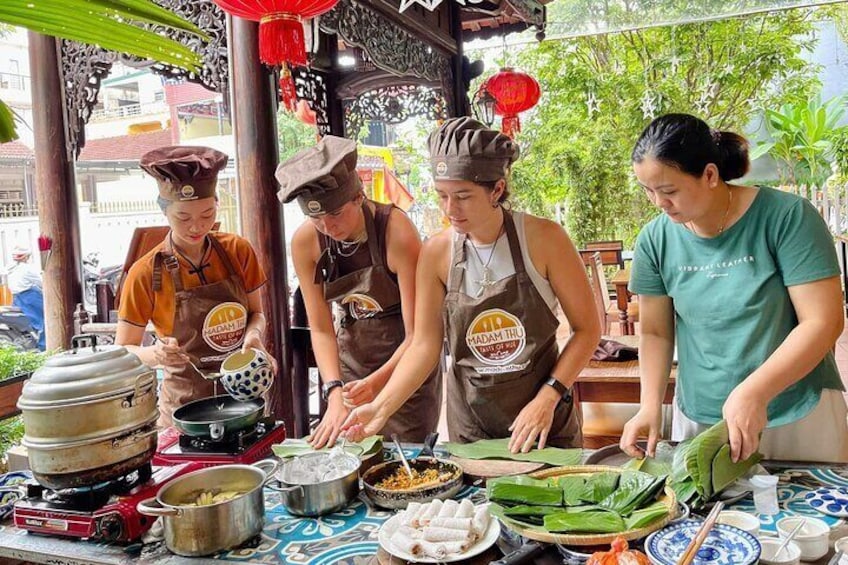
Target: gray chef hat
x: 464, y: 149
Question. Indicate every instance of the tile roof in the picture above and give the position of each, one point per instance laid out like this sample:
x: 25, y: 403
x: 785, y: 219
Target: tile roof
x: 15, y: 150
x: 124, y: 147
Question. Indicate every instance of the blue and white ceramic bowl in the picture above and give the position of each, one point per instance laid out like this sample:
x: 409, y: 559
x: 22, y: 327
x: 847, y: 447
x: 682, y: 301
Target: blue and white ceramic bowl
x: 11, y: 490
x: 725, y: 545
x: 246, y: 376
x: 830, y: 501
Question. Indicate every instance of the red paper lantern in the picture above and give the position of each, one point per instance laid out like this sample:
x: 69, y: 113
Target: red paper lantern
x: 280, y: 33
x: 514, y: 92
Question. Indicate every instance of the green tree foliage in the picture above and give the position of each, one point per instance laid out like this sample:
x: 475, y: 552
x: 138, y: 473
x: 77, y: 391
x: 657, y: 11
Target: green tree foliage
x: 577, y: 154
x: 293, y: 135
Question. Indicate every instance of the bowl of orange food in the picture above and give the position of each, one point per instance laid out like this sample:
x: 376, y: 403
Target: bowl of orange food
x: 388, y: 484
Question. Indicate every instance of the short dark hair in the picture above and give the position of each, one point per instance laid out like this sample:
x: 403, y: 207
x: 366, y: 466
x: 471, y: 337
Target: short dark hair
x: 490, y: 187
x: 688, y: 144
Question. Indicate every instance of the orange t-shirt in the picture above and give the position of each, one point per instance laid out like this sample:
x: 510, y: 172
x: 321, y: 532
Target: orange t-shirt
x: 140, y: 304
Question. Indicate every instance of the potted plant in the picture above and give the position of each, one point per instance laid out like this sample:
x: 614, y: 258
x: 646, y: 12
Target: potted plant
x: 15, y: 368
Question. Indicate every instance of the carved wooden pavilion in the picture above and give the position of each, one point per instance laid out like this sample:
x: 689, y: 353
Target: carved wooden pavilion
x: 404, y: 64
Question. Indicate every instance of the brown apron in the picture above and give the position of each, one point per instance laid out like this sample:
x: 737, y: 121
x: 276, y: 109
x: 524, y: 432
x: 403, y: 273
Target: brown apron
x: 370, y: 324
x: 504, y: 348
x: 208, y: 324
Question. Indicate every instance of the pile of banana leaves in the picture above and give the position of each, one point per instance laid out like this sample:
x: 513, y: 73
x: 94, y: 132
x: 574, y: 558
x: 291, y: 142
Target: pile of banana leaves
x: 700, y: 468
x: 600, y: 503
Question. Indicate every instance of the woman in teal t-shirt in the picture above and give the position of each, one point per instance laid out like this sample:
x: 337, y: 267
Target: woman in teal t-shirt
x: 745, y: 280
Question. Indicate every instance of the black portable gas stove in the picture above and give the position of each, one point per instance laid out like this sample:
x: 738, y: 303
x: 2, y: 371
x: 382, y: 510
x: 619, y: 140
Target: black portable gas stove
x: 242, y: 447
x: 105, y: 511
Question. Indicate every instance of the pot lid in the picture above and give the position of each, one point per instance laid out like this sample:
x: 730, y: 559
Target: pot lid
x: 86, y: 372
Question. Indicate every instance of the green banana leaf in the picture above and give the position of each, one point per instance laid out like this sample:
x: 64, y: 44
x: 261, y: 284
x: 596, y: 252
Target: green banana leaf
x: 592, y: 521
x: 295, y: 447
x: 7, y: 124
x: 649, y: 465
x: 634, y: 490
x: 525, y: 494
x: 679, y: 473
x: 572, y: 489
x: 599, y: 486
x: 499, y: 449
x: 499, y: 512
x: 700, y: 455
x: 684, y: 490
x: 725, y: 471
x: 645, y: 516
x: 526, y: 510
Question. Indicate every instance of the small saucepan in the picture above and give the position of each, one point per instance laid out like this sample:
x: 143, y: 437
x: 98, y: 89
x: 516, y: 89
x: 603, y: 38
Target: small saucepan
x: 446, y: 485
x: 322, y: 492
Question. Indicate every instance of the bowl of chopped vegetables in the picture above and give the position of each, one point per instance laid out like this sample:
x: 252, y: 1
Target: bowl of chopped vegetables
x: 388, y: 484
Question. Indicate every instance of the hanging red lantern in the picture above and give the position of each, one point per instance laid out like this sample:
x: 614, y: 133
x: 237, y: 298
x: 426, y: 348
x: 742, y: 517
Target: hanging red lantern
x: 281, y: 41
x: 514, y: 92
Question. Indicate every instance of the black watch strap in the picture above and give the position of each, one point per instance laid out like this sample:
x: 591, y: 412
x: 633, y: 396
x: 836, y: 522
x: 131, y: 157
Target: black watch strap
x: 328, y: 387
x: 561, y: 389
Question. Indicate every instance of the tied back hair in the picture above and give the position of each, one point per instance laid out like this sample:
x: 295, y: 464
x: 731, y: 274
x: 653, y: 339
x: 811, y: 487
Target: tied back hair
x: 688, y: 144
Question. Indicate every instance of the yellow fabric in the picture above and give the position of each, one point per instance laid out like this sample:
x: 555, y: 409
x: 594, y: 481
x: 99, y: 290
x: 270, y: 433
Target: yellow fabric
x: 140, y: 304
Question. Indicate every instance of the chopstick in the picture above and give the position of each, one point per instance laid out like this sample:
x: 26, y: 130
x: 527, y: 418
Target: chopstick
x: 835, y: 559
x: 692, y: 549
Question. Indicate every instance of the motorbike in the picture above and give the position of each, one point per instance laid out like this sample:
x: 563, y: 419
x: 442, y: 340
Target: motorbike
x: 16, y: 330
x: 93, y: 273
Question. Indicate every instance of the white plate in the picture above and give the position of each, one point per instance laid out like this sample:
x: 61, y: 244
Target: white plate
x: 830, y: 501
x: 725, y: 545
x: 388, y: 528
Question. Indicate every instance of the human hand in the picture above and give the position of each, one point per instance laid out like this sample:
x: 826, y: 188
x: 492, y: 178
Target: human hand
x: 328, y: 430
x: 358, y: 392
x: 167, y: 354
x: 253, y: 340
x: 647, y: 421
x: 534, y: 421
x: 363, y: 422
x: 746, y: 417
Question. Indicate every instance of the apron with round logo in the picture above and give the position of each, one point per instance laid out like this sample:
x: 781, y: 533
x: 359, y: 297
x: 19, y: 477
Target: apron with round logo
x: 370, y: 324
x: 210, y: 321
x: 504, y: 347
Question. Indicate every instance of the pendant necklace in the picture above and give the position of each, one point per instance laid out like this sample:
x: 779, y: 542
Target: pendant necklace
x: 348, y: 248
x: 691, y: 226
x: 487, y: 279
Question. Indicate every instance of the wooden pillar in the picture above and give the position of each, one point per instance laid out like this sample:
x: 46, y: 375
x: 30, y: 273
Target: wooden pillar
x: 335, y: 110
x: 255, y: 129
x: 55, y: 191
x: 460, y: 94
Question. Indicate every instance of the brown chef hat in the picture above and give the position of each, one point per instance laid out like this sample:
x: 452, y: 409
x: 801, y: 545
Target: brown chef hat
x: 464, y: 149
x: 184, y: 172
x: 322, y: 178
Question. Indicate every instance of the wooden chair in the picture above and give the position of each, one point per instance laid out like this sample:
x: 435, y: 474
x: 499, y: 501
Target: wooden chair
x: 608, y: 311
x: 612, y: 252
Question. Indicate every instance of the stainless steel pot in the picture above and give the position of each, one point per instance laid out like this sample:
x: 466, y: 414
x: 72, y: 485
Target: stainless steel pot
x: 86, y: 412
x: 318, y: 498
x: 203, y: 530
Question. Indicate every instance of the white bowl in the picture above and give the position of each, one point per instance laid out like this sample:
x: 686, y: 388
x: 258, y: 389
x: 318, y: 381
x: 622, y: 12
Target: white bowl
x: 813, y: 539
x: 791, y: 555
x: 742, y: 520
x: 842, y: 545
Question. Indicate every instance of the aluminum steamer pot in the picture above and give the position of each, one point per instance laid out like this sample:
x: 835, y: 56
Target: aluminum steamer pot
x: 89, y: 415
x: 321, y: 498
x: 192, y: 531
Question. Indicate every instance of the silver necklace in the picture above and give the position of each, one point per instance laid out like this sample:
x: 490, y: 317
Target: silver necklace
x: 348, y: 248
x: 487, y: 280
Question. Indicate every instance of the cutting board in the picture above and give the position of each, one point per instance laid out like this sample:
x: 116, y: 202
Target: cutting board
x: 476, y: 469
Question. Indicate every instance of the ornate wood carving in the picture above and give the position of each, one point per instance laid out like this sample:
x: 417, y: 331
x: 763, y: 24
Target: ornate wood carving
x: 390, y: 47
x: 392, y: 105
x: 85, y: 66
x: 311, y: 85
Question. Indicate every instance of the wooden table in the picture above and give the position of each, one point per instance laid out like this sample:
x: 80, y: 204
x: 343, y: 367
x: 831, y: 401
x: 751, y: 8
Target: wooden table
x: 622, y: 299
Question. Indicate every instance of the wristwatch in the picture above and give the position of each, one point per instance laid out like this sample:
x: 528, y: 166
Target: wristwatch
x: 328, y: 387
x: 562, y: 390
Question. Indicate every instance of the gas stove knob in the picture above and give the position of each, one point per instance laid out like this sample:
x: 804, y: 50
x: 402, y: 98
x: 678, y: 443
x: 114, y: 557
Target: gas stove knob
x: 110, y: 527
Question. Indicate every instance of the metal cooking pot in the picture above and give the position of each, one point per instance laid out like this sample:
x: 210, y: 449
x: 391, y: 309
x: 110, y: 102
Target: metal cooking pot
x: 86, y: 413
x: 202, y: 530
x: 217, y: 416
x: 318, y: 498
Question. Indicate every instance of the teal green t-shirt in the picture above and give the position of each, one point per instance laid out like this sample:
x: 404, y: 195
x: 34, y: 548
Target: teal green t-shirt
x: 731, y: 303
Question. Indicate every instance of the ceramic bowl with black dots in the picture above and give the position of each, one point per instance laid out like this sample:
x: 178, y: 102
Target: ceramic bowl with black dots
x: 246, y: 375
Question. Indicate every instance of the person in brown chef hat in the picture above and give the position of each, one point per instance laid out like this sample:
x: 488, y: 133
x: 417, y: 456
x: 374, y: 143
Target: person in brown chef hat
x: 360, y: 255
x: 200, y: 289
x: 491, y: 282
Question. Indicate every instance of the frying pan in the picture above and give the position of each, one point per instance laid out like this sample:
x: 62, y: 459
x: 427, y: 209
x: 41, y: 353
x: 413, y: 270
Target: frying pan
x: 217, y: 416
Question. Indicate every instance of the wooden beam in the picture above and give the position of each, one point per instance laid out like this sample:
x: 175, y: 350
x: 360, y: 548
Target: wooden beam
x: 255, y: 129
x: 55, y: 191
x: 431, y: 35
